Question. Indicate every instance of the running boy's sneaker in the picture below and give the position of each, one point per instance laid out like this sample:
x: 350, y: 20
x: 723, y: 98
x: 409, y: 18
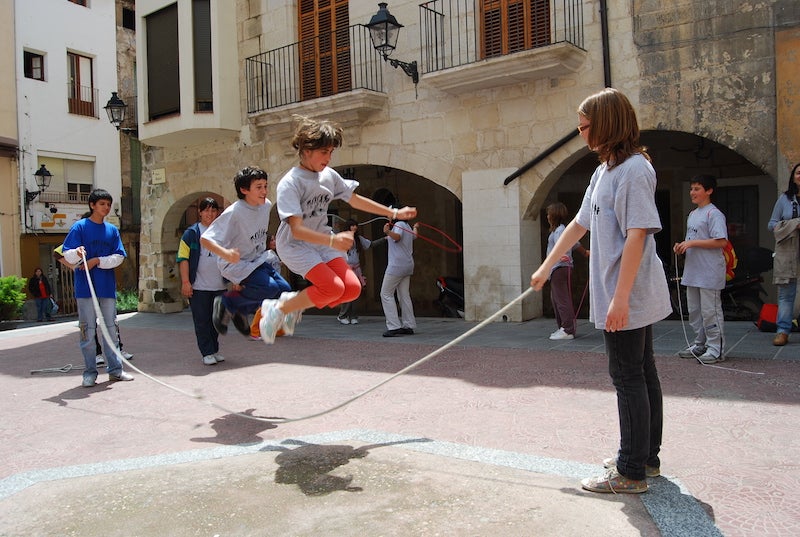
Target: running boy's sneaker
x: 291, y: 319
x: 218, y: 316
x: 708, y: 358
x: 271, y: 320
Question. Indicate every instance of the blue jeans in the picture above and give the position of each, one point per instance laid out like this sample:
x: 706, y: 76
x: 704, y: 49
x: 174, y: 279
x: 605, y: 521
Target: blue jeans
x: 202, y: 306
x: 262, y: 283
x: 786, y: 295
x: 43, y: 308
x: 641, y: 411
x: 87, y: 322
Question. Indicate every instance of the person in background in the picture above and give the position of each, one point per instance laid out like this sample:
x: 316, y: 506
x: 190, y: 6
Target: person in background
x: 704, y: 271
x: 95, y: 248
x: 347, y: 311
x: 785, y: 225
x: 397, y: 279
x: 39, y: 288
x: 201, y: 281
x: 561, y: 274
x: 627, y: 285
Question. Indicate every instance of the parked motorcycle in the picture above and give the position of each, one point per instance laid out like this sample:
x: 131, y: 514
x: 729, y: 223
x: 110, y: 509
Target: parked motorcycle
x: 742, y: 296
x: 451, y: 296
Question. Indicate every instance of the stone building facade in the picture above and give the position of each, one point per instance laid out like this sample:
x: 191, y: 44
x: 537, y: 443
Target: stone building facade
x: 482, y: 147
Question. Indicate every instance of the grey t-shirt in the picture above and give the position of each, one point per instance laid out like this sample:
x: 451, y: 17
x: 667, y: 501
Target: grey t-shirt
x: 617, y: 200
x: 401, y: 253
x: 705, y: 267
x: 307, y: 194
x: 242, y: 226
x: 207, y: 277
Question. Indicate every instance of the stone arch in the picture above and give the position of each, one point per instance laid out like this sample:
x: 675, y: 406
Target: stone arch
x: 677, y: 156
x: 159, y: 280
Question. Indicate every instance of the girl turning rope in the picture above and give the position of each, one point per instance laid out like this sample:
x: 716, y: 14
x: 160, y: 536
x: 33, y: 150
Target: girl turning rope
x: 306, y: 244
x: 628, y: 288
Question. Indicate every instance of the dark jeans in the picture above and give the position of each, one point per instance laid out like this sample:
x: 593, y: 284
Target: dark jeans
x: 262, y: 283
x: 561, y: 297
x: 202, y: 306
x: 641, y: 410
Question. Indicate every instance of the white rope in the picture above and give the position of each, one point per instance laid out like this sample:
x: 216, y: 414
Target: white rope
x: 199, y: 397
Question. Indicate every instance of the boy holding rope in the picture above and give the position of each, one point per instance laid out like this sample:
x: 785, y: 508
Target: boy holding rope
x: 306, y: 243
x: 100, y: 244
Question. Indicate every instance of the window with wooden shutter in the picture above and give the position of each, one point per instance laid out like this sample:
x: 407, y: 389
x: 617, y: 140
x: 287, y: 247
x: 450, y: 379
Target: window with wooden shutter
x: 509, y: 26
x: 80, y: 89
x: 324, y: 48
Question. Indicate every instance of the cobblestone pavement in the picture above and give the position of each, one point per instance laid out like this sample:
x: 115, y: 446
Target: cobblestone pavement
x: 491, y: 437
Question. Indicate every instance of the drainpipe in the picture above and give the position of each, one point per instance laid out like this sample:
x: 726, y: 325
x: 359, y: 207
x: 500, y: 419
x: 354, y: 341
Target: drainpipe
x: 607, y: 81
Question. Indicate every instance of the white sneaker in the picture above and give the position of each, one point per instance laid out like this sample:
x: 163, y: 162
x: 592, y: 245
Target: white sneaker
x: 561, y: 334
x: 99, y: 360
x: 126, y: 355
x: 353, y: 321
x: 219, y: 358
x: 271, y: 320
x: 343, y: 320
x: 290, y: 320
x: 209, y: 359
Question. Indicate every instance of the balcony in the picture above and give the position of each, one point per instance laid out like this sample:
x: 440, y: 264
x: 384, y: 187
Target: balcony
x: 340, y: 71
x: 466, y: 47
x: 82, y: 100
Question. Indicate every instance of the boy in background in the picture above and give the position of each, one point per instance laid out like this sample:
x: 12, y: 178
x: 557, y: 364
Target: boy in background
x: 704, y: 271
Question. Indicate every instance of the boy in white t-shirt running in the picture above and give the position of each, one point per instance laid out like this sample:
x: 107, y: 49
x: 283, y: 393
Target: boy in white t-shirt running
x: 704, y: 271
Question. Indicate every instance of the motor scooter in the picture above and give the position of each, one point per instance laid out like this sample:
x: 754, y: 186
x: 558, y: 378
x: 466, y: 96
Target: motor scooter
x: 451, y: 296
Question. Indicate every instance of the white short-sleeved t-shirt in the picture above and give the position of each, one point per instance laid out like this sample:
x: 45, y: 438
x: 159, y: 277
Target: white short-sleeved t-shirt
x: 242, y: 226
x: 705, y: 267
x: 617, y: 200
x: 307, y: 194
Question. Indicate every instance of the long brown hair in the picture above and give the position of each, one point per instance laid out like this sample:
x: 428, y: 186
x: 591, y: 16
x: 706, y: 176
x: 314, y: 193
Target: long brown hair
x: 614, y: 130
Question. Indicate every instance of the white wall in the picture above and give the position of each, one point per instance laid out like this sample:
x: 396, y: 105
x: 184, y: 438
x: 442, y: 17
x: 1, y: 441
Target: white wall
x: 53, y: 28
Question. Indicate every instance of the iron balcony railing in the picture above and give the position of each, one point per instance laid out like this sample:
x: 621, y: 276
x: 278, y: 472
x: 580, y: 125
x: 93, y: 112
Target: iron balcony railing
x: 328, y: 64
x: 460, y: 32
x: 82, y: 100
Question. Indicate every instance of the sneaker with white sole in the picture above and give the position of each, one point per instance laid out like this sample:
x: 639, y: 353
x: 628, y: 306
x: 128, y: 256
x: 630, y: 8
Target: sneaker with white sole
x: 126, y: 355
x: 614, y: 482
x: 89, y: 382
x: 649, y: 471
x: 561, y: 334
x: 122, y: 377
x: 693, y: 351
x: 99, y: 360
x: 218, y: 357
x: 218, y: 316
x: 354, y: 321
x: 271, y: 320
x: 209, y: 359
x: 290, y: 320
x: 708, y: 358
x: 343, y: 320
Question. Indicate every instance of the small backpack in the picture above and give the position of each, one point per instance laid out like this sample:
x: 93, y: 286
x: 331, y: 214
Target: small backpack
x: 731, y: 261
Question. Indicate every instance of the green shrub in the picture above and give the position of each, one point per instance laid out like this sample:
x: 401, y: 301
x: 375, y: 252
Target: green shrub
x: 127, y: 300
x: 12, y: 297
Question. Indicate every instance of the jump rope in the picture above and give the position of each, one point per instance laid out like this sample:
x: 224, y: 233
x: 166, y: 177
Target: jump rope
x: 199, y: 397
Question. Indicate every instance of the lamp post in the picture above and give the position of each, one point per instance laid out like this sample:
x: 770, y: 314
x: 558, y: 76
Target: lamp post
x: 383, y: 31
x: 117, y: 110
x: 43, y: 178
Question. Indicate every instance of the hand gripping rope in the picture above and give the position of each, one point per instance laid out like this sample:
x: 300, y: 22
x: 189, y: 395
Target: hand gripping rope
x: 686, y: 336
x: 403, y: 371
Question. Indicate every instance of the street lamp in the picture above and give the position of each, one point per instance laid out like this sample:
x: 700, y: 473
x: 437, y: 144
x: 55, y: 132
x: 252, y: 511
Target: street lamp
x: 43, y: 178
x: 116, y: 110
x: 383, y: 30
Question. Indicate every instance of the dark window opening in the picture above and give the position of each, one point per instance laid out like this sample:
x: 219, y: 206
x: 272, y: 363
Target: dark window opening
x: 128, y: 19
x: 34, y: 65
x: 201, y: 28
x: 163, y: 77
